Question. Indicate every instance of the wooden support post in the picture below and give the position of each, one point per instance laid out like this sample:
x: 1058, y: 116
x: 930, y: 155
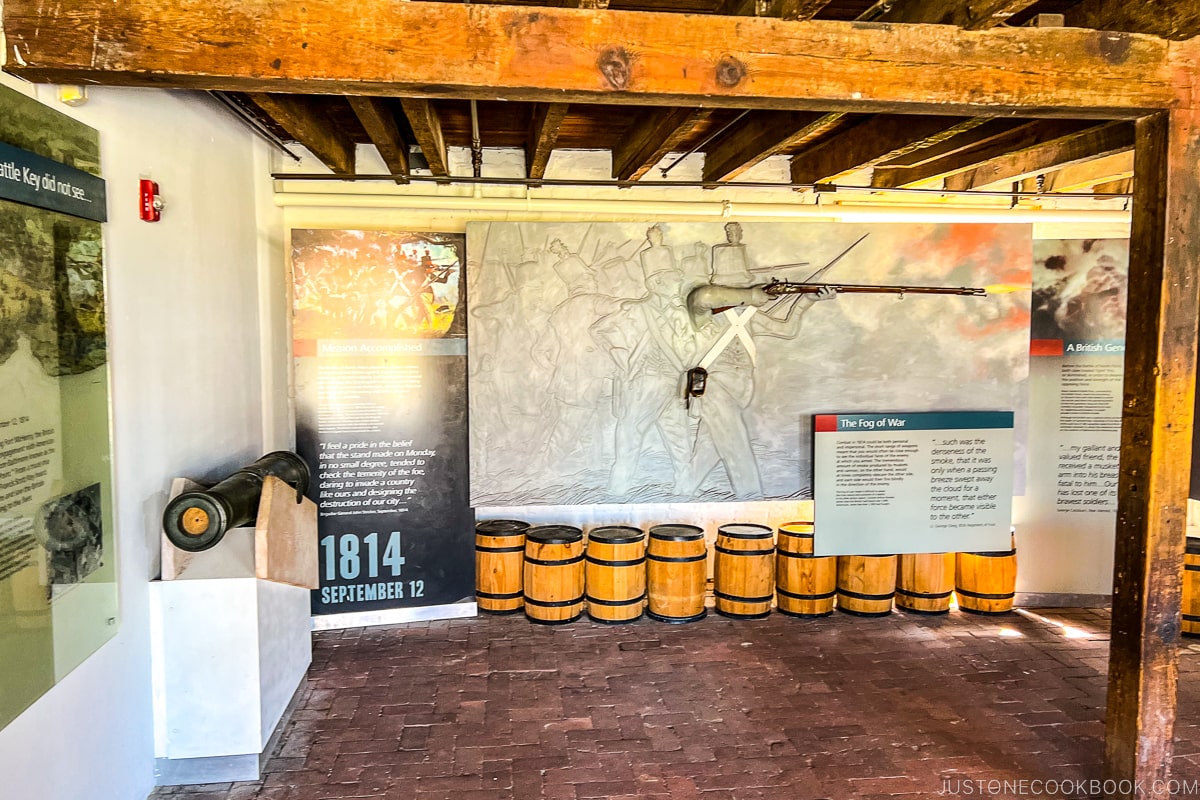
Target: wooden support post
x: 1156, y: 442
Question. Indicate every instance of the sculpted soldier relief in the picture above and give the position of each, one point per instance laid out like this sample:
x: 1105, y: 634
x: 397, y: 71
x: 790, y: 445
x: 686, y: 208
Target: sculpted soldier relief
x: 673, y: 362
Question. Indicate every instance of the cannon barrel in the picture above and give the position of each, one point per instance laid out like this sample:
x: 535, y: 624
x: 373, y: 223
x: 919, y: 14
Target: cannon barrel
x: 197, y: 520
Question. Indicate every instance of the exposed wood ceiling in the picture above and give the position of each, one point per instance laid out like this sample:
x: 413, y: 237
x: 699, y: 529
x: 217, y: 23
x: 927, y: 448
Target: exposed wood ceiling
x: 832, y: 145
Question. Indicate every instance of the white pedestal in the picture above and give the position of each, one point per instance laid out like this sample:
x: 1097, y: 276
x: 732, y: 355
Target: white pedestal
x: 229, y: 652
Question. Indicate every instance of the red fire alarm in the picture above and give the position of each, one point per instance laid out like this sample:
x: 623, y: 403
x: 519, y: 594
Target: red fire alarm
x: 150, y: 207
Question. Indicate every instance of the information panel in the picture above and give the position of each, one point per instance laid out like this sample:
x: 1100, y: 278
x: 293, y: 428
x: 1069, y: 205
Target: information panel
x: 58, y: 569
x: 381, y: 370
x: 913, y: 482
x: 1077, y: 366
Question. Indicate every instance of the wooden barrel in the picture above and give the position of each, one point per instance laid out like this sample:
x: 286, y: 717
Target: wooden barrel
x: 744, y: 575
x: 499, y: 562
x: 553, y: 574
x: 925, y: 582
x: 676, y: 571
x: 1191, y: 589
x: 616, y: 574
x: 986, y: 582
x: 866, y: 585
x: 804, y: 584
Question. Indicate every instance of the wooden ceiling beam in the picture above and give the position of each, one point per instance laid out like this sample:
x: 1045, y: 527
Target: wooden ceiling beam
x: 427, y: 130
x: 783, y: 9
x: 591, y: 56
x: 1124, y: 186
x: 657, y: 132
x: 543, y: 135
x: 989, y: 131
x: 379, y: 121
x: 761, y: 135
x: 307, y: 125
x: 1098, y: 142
x: 1085, y: 175
x: 1171, y: 19
x: 1023, y: 137
x: 976, y: 15
x: 872, y: 142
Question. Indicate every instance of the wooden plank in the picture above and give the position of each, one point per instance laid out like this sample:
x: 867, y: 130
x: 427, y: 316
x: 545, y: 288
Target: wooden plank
x: 989, y: 131
x: 976, y: 15
x: 427, y: 129
x: 1086, y: 175
x: 310, y: 128
x: 285, y: 537
x: 368, y: 47
x: 784, y: 9
x: 1104, y: 140
x: 1156, y: 446
x: 1022, y: 137
x: 656, y: 132
x: 379, y: 121
x: 1172, y: 19
x: 761, y: 135
x: 543, y: 134
x: 872, y: 142
x: 1115, y: 187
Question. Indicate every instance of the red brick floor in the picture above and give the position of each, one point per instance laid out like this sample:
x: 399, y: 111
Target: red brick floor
x: 786, y: 709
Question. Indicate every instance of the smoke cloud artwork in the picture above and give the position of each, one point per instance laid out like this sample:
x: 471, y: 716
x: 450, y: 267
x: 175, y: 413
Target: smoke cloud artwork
x: 644, y: 362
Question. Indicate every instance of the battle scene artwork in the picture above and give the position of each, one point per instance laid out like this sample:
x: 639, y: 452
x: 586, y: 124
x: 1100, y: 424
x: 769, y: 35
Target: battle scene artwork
x: 368, y: 284
x: 646, y: 362
x: 1080, y: 289
x: 51, y: 289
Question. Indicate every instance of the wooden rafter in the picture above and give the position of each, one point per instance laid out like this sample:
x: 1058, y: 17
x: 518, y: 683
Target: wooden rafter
x: 989, y: 131
x: 1114, y: 187
x: 1171, y: 19
x: 1086, y: 175
x: 1098, y: 142
x: 427, y: 130
x: 544, y: 126
x: 575, y: 55
x: 761, y: 135
x: 872, y: 142
x: 656, y: 132
x: 976, y: 15
x: 308, y: 126
x: 1023, y: 137
x: 1156, y: 447
x: 784, y: 9
x: 379, y: 121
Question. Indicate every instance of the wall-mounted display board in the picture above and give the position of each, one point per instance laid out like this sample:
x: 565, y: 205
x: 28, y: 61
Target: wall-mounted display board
x: 1077, y: 350
x: 582, y: 335
x: 379, y: 329
x: 937, y: 482
x: 1076, y: 384
x: 58, y: 592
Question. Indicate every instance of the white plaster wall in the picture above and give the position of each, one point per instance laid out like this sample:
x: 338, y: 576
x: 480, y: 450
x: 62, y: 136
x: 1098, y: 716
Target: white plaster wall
x: 186, y: 365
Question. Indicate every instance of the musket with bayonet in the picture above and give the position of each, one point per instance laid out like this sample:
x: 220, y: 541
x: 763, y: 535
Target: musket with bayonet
x: 713, y: 298
x: 778, y: 288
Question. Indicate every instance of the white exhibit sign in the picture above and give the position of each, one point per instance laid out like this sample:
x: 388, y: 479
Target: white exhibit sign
x: 934, y: 482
